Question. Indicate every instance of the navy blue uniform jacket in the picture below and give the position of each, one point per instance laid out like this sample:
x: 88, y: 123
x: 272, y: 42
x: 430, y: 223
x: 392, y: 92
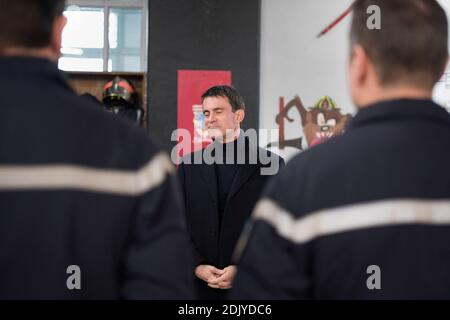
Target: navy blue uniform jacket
x: 365, y: 215
x: 79, y: 187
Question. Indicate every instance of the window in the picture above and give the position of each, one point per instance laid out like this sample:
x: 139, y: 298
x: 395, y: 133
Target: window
x: 105, y: 35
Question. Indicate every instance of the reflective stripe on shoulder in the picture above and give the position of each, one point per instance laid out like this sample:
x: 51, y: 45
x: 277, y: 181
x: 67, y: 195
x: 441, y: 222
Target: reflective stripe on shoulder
x: 351, y: 218
x: 120, y: 182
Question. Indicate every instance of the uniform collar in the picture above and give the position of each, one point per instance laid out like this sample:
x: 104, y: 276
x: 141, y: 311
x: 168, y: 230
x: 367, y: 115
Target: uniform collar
x: 400, y: 109
x: 32, y: 66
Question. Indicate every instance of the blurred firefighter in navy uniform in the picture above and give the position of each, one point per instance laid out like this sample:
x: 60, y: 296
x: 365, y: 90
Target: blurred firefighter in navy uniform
x: 120, y: 98
x: 90, y: 207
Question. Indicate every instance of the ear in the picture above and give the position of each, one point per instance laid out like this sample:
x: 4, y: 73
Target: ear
x: 58, y: 26
x: 358, y: 66
x: 239, y: 115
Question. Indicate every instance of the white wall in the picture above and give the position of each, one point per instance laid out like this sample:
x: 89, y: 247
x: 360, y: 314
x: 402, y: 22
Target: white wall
x: 441, y: 93
x: 294, y: 61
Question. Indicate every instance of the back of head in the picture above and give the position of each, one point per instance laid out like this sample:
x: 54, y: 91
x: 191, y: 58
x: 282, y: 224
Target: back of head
x: 411, y: 46
x: 28, y: 23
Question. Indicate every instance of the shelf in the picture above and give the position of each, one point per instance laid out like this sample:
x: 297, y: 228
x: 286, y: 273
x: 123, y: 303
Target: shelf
x: 112, y: 74
x: 93, y: 83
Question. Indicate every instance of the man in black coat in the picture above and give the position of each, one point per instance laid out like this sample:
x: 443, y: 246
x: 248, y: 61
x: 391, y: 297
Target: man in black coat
x: 89, y: 205
x: 221, y: 185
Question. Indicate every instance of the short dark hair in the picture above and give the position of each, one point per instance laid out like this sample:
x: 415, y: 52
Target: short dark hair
x: 410, y: 47
x: 28, y: 23
x: 234, y: 98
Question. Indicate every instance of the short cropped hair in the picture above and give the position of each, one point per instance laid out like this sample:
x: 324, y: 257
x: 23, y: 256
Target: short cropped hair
x: 28, y: 23
x: 234, y: 98
x: 410, y: 47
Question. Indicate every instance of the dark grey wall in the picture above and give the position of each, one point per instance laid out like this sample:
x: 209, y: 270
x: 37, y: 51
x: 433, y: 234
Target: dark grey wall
x: 201, y: 35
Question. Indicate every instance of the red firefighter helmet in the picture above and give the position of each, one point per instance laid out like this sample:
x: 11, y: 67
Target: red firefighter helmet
x: 118, y: 93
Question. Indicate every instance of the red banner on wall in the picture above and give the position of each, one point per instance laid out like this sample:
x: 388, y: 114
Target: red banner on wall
x: 191, y: 85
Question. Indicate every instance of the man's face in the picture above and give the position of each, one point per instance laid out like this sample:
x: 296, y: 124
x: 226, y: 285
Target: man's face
x: 220, y: 120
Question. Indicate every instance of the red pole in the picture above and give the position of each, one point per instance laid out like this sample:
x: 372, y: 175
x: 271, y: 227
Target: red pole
x: 336, y: 21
